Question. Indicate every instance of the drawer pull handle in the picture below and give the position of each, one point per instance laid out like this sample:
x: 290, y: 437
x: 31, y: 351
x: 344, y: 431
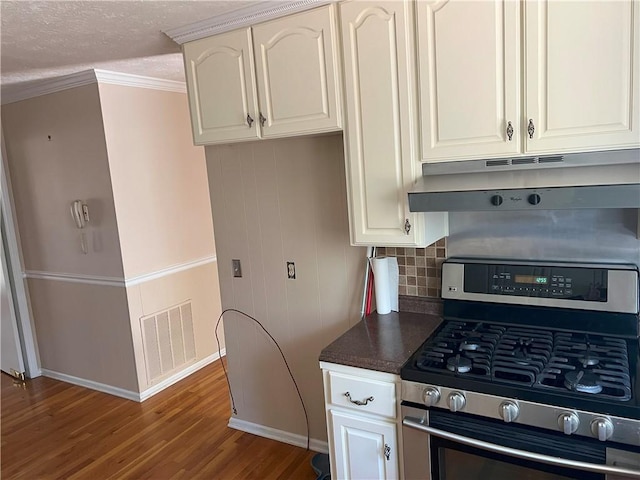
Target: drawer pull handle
x: 358, y: 402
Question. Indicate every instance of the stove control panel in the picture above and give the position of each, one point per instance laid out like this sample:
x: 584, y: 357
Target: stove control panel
x: 587, y: 284
x: 578, y: 286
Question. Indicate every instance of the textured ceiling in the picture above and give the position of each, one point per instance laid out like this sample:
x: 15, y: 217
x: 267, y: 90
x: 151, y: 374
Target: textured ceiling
x: 45, y: 39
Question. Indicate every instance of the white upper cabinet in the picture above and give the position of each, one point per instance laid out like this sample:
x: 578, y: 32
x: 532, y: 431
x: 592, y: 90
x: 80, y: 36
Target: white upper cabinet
x: 583, y: 75
x: 380, y: 127
x: 577, y: 81
x: 293, y: 89
x: 469, y: 78
x: 221, y: 87
x: 297, y: 69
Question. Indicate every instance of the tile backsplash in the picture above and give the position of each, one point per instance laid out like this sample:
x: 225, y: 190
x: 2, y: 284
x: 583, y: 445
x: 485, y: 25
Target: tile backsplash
x: 420, y: 268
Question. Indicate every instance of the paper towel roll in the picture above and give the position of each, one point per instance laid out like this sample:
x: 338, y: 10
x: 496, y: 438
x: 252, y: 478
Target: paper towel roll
x: 385, y: 279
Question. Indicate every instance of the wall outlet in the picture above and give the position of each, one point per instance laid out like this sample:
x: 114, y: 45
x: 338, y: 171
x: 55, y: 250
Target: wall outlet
x: 237, y: 269
x: 291, y: 270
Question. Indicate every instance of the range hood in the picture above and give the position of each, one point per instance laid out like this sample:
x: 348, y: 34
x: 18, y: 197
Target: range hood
x: 609, y: 179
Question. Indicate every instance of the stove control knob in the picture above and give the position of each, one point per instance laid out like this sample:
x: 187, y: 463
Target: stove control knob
x: 456, y: 401
x: 430, y: 396
x: 602, y: 428
x: 509, y: 411
x: 568, y: 423
x: 496, y: 200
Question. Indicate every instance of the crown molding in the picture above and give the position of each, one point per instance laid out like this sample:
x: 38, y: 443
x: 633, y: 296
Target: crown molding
x: 244, y: 17
x: 51, y: 85
x: 88, y: 77
x: 130, y: 80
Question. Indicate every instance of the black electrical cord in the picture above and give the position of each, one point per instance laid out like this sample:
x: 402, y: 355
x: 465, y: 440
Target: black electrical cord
x: 226, y: 376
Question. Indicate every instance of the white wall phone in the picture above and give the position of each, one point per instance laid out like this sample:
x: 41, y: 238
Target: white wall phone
x: 80, y: 215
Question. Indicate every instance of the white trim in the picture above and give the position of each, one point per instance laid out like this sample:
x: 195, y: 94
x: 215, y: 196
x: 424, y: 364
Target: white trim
x: 14, y: 255
x: 149, y: 392
x: 76, y: 278
x: 117, y: 281
x: 130, y: 282
x: 244, y: 17
x: 101, y: 387
x: 128, y: 394
x: 87, y: 77
x: 131, y: 80
x: 279, y: 435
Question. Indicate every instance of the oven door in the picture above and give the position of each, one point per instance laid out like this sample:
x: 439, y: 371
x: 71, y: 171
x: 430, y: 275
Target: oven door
x: 440, y: 445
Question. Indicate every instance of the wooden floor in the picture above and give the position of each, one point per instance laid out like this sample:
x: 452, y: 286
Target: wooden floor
x: 52, y: 429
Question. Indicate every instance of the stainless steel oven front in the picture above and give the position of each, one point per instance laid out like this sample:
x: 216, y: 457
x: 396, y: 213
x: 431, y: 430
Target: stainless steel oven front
x: 440, y: 445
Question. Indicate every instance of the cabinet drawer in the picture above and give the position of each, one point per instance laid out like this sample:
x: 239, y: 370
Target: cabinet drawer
x: 362, y: 390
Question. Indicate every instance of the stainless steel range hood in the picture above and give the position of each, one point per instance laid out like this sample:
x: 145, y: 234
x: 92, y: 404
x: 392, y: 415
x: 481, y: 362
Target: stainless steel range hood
x: 609, y: 179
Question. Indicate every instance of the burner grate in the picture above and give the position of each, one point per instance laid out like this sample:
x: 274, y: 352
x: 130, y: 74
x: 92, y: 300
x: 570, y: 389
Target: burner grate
x: 602, y: 362
x: 568, y: 362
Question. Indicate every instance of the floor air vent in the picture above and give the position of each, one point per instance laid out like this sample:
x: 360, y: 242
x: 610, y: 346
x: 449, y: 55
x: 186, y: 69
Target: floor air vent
x: 168, y: 340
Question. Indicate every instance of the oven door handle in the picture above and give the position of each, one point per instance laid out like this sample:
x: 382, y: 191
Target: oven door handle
x: 514, y: 452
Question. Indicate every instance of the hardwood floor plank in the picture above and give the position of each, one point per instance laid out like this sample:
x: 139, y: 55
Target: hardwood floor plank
x: 53, y: 430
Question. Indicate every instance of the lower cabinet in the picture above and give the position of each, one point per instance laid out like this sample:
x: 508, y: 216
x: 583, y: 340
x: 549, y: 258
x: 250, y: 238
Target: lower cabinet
x: 364, y: 448
x: 362, y: 423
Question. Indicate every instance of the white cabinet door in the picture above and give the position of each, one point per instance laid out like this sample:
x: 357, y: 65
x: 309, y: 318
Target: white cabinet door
x: 469, y: 71
x: 381, y: 161
x: 365, y: 449
x: 298, y: 73
x: 220, y: 83
x: 583, y: 75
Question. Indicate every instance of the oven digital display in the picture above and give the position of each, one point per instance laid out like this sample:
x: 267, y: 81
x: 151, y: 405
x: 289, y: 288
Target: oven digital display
x: 531, y: 279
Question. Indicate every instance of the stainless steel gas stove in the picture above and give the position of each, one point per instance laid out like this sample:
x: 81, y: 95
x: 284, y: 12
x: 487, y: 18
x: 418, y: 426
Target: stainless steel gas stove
x: 533, y: 373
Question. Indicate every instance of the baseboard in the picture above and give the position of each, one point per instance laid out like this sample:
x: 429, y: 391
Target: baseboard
x: 128, y: 394
x: 279, y: 435
x: 167, y: 382
x: 83, y: 382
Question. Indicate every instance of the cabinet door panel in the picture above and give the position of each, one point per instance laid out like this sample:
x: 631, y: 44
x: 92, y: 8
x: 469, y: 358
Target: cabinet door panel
x: 379, y: 92
x: 221, y: 88
x: 583, y: 74
x: 296, y: 67
x: 360, y: 447
x: 468, y: 55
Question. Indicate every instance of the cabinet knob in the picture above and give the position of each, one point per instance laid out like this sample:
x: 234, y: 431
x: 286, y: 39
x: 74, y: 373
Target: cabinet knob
x: 531, y: 128
x: 509, y: 131
x: 249, y: 120
x: 262, y: 120
x: 387, y: 451
x: 407, y: 226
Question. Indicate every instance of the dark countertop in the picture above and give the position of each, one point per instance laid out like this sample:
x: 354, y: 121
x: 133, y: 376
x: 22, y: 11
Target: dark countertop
x: 385, y: 342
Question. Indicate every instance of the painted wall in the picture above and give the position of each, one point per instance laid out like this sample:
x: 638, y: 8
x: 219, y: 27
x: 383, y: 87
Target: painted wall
x: 56, y: 153
x: 83, y: 331
x: 158, y: 178
x: 128, y: 151
x: 273, y: 202
x: 161, y: 197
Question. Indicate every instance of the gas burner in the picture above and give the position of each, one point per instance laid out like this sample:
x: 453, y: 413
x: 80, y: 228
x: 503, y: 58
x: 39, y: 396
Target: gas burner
x: 588, y: 359
x: 583, y: 381
x: 522, y: 351
x: 470, y: 343
x: 459, y: 364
